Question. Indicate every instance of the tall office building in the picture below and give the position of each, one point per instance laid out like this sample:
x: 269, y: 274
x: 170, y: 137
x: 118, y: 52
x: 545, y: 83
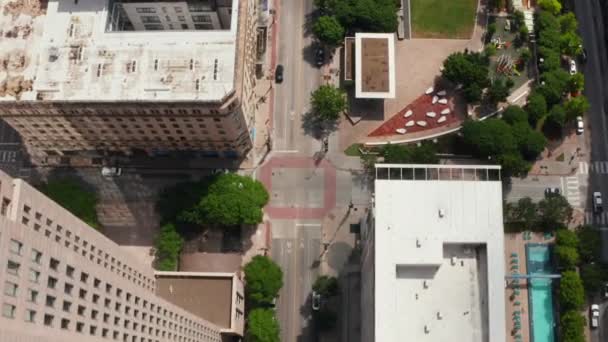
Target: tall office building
x: 63, y: 281
x: 129, y: 76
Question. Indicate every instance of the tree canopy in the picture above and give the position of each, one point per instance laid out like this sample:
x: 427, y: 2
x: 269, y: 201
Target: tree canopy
x: 577, y: 106
x: 328, y: 102
x: 567, y: 257
x: 263, y: 280
x: 168, y: 244
x: 75, y: 198
x: 576, y: 82
x: 568, y: 22
x: 557, y: 116
x: 566, y: 238
x: 553, y: 6
x: 555, y: 212
x: 489, y: 138
x: 426, y: 153
x: 262, y: 326
x: 499, y: 90
x: 590, y: 244
x: 514, y: 114
x: 529, y: 141
x: 231, y: 200
x: 362, y: 15
x: 571, y: 291
x: 524, y: 213
x: 536, y: 107
x: 594, y: 277
x: 470, y: 70
x: 326, y: 286
x: 572, y: 325
x: 328, y: 30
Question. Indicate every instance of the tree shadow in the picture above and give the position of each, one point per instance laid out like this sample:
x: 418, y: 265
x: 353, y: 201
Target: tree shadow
x: 315, y: 128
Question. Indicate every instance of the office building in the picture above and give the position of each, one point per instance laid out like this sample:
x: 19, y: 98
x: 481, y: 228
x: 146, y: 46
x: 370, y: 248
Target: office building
x: 63, y: 281
x: 433, y: 255
x: 97, y: 76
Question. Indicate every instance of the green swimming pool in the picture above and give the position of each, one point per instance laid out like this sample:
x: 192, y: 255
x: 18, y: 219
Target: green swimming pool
x: 542, y: 322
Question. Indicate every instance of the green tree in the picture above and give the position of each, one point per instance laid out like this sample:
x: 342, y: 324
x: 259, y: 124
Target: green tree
x: 571, y: 291
x: 75, y: 198
x: 328, y: 102
x: 550, y: 39
x: 490, y: 31
x: 263, y: 280
x: 328, y: 30
x: 426, y: 153
x: 566, y: 238
x: 593, y: 277
x: 568, y: 22
x: 571, y: 44
x: 168, y: 245
x: 567, y: 257
x: 551, y: 59
x: 524, y: 212
x: 555, y: 212
x: 466, y: 69
x: 590, y: 244
x: 552, y: 6
x: 498, y: 91
x: 490, y: 49
x: 536, y: 107
x: 231, y: 200
x: 525, y: 55
x: 362, y: 15
x: 577, y: 106
x: 572, y: 325
x: 514, y: 114
x: 262, y: 326
x: 513, y: 164
x: 557, y: 116
x: 489, y: 138
x: 176, y: 199
x: 554, y: 85
x: 326, y: 286
x: 576, y: 82
x: 529, y: 141
x: 472, y: 93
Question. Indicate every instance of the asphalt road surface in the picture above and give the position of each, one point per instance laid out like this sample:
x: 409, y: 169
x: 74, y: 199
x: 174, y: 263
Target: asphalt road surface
x: 591, y: 27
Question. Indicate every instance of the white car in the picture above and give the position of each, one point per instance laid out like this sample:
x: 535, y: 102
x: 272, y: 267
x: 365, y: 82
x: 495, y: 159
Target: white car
x: 572, y: 67
x: 580, y: 125
x: 597, y: 201
x: 595, y: 315
x: 111, y: 171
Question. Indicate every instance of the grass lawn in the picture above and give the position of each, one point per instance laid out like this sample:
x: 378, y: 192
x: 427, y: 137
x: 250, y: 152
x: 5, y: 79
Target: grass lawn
x: 443, y: 18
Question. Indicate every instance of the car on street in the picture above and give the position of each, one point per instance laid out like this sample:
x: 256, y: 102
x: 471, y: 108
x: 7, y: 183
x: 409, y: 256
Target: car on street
x: 584, y: 55
x: 597, y: 202
x: 320, y: 57
x: 316, y: 300
x: 572, y: 67
x: 111, y: 171
x: 552, y: 191
x: 278, y: 74
x: 580, y: 125
x: 606, y: 290
x: 595, y: 316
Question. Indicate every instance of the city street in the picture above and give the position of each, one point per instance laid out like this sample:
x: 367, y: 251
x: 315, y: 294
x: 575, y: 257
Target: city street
x: 591, y: 27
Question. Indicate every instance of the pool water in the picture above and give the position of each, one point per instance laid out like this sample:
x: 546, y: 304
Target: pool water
x: 540, y: 299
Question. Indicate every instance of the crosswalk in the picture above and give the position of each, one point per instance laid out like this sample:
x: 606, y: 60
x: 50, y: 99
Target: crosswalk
x: 572, y: 191
x: 600, y: 167
x: 599, y: 219
x: 8, y: 156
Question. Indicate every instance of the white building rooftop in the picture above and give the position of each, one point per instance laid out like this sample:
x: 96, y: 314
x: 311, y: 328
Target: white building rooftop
x: 439, y: 254
x: 69, y: 56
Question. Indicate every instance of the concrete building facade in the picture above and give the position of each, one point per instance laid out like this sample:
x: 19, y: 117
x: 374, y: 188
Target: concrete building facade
x: 71, y: 85
x: 63, y: 281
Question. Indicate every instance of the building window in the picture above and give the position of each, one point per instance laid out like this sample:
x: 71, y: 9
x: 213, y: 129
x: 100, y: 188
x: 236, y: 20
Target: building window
x: 66, y: 306
x: 50, y: 301
x: 15, y: 247
x: 84, y: 277
x: 150, y: 19
x: 48, y: 320
x: 36, y: 256
x: 10, y: 289
x: 65, y: 323
x: 95, y: 298
x: 69, y: 271
x: 81, y: 310
x: 32, y: 295
x: 12, y: 267
x: 67, y: 288
x: 30, y: 316
x: 96, y: 283
x: 34, y: 276
x: 145, y: 10
x: 8, y: 310
x: 53, y: 264
x: 82, y: 294
x: 51, y: 282
x: 154, y: 27
x: 79, y: 327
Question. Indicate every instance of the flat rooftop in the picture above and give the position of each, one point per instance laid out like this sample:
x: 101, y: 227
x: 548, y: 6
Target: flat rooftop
x: 439, y: 254
x: 206, y: 297
x: 66, y: 54
x: 375, y: 65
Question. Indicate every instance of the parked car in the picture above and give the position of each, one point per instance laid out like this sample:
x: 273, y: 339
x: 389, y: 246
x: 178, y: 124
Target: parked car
x: 595, y: 316
x: 278, y: 74
x: 584, y: 55
x: 111, y: 171
x: 552, y: 191
x: 320, y: 56
x: 580, y: 125
x: 316, y: 300
x: 597, y: 202
x: 572, y: 67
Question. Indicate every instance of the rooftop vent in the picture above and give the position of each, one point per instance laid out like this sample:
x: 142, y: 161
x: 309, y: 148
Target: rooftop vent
x: 441, y: 213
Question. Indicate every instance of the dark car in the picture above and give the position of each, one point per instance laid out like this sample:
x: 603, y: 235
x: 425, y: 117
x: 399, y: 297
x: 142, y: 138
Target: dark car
x: 584, y: 56
x: 551, y: 192
x: 320, y: 57
x: 278, y: 74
